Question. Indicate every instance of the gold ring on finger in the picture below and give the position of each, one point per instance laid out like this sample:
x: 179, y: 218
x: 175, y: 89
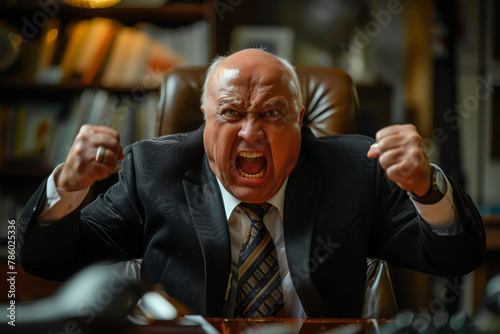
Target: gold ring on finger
x: 99, y: 156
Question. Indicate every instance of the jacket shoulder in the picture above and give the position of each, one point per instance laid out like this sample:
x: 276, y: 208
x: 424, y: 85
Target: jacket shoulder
x: 348, y: 145
x: 167, y: 155
x: 178, y: 141
x: 352, y: 141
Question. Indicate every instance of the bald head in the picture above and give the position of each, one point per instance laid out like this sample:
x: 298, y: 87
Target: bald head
x: 254, y: 60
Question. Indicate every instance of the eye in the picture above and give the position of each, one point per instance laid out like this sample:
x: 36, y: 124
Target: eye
x: 231, y: 114
x: 272, y: 115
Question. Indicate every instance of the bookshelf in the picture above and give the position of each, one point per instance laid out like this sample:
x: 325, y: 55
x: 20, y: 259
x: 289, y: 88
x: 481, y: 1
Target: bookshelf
x: 60, y: 52
x: 43, y: 71
x: 42, y: 106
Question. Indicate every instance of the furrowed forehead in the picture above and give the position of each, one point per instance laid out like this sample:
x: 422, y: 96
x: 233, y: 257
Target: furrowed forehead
x: 252, y: 60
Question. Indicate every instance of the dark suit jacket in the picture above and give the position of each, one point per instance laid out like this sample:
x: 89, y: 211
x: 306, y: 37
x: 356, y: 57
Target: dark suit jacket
x: 167, y: 208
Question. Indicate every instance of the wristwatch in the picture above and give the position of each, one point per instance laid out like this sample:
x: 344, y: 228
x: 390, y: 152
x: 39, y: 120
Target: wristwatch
x: 437, y: 190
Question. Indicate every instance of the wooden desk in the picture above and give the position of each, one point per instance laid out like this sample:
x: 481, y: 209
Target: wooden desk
x: 303, y: 326
x: 232, y: 326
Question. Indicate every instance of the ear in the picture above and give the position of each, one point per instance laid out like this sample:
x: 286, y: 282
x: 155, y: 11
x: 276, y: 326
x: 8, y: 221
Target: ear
x: 202, y: 108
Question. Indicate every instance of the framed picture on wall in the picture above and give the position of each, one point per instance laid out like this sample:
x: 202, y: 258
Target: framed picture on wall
x: 278, y: 40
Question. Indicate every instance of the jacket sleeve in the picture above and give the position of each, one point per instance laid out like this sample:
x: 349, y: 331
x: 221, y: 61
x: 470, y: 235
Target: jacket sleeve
x: 106, y: 229
x: 403, y: 238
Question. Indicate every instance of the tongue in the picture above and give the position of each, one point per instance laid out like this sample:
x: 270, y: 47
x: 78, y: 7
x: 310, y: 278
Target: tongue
x: 251, y: 165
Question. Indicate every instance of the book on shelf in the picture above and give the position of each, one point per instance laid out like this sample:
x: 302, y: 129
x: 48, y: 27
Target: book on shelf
x: 77, y: 33
x: 47, y: 48
x: 94, y: 49
x: 87, y: 45
x: 30, y: 128
x: 128, y: 59
x: 146, y: 117
x: 68, y: 128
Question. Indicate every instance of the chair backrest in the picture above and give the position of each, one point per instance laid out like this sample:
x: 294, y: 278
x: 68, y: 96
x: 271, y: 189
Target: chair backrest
x: 331, y: 108
x: 330, y: 100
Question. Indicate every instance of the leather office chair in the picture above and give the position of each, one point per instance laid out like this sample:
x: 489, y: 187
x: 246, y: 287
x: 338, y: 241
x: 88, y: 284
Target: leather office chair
x: 331, y: 108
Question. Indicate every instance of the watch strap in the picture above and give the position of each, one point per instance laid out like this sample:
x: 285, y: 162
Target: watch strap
x: 435, y: 192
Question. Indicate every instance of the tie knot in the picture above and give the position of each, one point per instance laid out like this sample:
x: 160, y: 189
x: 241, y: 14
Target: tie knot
x: 256, y: 212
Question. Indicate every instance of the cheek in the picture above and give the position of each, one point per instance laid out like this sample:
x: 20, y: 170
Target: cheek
x: 218, y: 142
x: 285, y: 150
x: 289, y: 126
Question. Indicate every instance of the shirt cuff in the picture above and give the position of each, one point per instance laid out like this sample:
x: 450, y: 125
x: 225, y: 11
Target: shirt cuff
x: 440, y: 216
x: 59, y: 202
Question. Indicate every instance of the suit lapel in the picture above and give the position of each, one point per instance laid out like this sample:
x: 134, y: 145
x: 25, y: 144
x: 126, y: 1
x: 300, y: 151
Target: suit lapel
x: 301, y: 202
x: 206, y: 208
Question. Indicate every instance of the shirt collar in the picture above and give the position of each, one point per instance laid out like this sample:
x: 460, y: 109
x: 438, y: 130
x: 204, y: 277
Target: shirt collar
x: 230, y: 202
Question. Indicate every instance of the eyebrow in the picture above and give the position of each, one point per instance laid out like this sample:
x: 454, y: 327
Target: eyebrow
x: 273, y: 102
x: 227, y: 100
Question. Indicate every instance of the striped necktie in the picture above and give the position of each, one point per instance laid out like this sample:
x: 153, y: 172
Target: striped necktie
x: 259, y: 291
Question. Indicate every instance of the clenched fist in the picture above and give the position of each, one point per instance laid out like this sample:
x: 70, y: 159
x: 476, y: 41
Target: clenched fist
x: 401, y: 154
x: 86, y: 162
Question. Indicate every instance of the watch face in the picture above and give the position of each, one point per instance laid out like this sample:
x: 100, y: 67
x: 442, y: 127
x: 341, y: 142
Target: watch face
x: 437, y: 191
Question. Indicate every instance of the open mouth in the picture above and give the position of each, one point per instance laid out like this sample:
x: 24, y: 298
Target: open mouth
x: 251, y: 165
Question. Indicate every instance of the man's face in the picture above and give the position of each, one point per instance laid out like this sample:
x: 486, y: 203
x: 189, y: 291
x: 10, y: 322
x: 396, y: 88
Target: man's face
x: 253, y: 121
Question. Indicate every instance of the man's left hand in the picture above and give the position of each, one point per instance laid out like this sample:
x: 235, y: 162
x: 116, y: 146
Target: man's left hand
x: 401, y: 154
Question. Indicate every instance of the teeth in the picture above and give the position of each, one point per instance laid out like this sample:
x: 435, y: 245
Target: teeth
x: 259, y: 175
x: 250, y: 154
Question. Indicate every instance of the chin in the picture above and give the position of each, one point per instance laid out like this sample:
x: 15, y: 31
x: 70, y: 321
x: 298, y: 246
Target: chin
x: 253, y: 198
x: 250, y: 190
x: 251, y: 194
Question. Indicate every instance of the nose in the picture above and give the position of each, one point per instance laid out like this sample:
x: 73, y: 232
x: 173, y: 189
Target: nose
x: 251, y: 130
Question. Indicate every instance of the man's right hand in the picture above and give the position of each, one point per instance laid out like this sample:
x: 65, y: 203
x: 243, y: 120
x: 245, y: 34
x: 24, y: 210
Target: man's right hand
x: 81, y: 168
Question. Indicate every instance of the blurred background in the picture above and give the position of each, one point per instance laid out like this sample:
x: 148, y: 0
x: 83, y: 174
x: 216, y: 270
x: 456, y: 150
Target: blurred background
x: 433, y: 63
